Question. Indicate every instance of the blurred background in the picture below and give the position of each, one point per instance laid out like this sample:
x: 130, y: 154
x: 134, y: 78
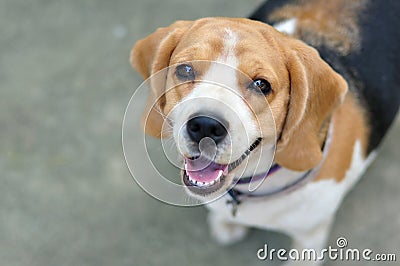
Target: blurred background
x: 66, y: 196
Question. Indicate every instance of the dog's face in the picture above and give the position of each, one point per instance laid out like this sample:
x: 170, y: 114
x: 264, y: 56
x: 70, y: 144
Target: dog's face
x: 230, y: 89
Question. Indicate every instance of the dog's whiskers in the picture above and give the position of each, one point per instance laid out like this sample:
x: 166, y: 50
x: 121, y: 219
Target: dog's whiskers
x: 166, y: 133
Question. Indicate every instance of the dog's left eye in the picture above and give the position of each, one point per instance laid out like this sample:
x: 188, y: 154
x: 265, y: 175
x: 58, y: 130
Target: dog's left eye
x: 260, y: 86
x: 185, y: 72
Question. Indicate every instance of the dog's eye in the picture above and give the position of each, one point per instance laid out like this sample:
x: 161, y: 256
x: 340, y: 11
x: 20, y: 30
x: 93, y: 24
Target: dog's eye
x: 260, y: 86
x: 185, y: 72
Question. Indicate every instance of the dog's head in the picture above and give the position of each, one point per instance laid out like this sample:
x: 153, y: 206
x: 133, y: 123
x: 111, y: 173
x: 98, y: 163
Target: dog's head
x: 237, y: 85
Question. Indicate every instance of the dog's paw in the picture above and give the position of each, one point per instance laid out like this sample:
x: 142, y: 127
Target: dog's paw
x: 225, y: 233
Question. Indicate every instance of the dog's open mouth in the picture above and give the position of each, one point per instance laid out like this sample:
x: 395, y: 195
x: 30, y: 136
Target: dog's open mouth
x: 203, y: 176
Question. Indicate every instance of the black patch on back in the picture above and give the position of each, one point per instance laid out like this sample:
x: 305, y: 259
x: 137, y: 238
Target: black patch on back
x: 377, y: 65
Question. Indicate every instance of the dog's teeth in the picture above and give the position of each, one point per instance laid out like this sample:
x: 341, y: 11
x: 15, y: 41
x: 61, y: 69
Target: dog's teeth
x: 192, y: 180
x: 204, y: 184
x: 219, y: 174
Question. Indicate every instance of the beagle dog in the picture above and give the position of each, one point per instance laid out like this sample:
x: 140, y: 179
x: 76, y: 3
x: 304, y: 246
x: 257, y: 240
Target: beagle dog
x: 316, y: 81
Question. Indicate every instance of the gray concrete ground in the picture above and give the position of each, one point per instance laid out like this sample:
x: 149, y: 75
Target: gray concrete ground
x: 66, y: 195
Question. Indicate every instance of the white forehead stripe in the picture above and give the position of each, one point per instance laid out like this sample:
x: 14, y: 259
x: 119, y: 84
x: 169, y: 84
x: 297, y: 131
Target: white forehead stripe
x: 224, y: 69
x: 287, y: 26
x: 228, y: 55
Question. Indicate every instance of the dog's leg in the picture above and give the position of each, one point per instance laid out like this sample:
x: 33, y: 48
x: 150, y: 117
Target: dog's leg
x: 314, y: 240
x: 225, y: 232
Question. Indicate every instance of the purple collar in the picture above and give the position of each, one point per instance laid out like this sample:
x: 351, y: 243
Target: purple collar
x: 249, y: 179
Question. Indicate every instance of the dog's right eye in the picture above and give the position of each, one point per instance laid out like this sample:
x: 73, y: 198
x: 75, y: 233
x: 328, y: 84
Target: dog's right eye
x: 185, y: 72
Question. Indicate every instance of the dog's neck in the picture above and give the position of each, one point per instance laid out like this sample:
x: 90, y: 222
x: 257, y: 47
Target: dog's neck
x: 284, y: 177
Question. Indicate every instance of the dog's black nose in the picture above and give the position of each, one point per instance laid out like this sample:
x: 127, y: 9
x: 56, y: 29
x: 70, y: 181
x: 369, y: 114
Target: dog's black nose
x: 202, y: 126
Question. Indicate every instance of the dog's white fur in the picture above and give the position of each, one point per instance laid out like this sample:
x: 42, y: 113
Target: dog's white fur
x: 287, y: 26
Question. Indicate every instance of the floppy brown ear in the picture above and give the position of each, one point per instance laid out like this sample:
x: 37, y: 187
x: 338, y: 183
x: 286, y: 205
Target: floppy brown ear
x: 148, y: 56
x: 315, y: 91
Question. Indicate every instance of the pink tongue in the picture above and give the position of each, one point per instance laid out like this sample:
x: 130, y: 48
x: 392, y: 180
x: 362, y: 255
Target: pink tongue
x: 204, y: 170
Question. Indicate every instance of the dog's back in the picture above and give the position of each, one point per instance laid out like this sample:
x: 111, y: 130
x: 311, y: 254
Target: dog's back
x: 360, y: 39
